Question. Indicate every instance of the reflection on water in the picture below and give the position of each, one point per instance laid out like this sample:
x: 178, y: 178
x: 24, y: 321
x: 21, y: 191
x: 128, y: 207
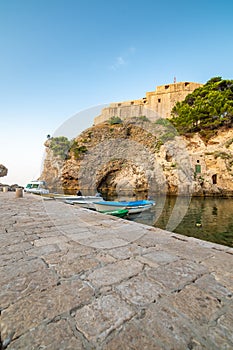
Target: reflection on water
x: 210, y: 219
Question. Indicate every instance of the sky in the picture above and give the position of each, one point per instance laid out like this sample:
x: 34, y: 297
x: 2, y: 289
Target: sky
x: 61, y: 58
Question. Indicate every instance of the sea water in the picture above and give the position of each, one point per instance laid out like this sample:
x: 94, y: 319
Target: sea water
x: 209, y: 218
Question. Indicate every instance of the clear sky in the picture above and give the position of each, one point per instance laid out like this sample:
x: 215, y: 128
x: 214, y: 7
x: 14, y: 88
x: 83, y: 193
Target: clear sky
x: 59, y: 57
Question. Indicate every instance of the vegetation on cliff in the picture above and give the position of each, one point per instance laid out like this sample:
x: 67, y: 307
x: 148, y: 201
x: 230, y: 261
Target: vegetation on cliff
x: 63, y: 148
x: 60, y: 146
x: 206, y: 109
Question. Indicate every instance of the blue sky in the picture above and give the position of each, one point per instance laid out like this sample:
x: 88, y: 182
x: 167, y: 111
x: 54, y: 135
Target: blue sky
x: 59, y: 57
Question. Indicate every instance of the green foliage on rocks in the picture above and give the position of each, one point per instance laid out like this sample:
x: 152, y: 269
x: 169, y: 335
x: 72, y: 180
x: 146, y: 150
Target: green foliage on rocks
x: 206, y: 109
x: 143, y: 118
x: 228, y: 143
x: 60, y: 146
x: 168, y: 132
x: 115, y: 120
x: 77, y: 149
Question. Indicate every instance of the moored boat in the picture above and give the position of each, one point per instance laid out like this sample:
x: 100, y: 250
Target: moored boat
x: 74, y: 198
x: 82, y: 201
x: 121, y: 213
x: 133, y: 207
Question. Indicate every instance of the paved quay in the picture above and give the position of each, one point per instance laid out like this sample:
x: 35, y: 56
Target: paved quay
x: 72, y: 279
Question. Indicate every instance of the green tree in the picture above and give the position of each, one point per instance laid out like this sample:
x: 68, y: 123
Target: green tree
x: 206, y: 108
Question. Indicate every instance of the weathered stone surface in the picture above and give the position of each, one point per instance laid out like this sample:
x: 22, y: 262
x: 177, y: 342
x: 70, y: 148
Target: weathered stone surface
x: 222, y: 334
x: 10, y: 257
x: 52, y: 336
x: 153, y: 237
x: 50, y: 240
x: 43, y: 250
x: 171, y: 330
x: 158, y: 257
x: 199, y: 306
x: 213, y: 287
x: 69, y: 268
x: 115, y: 273
x: 125, y: 252
x: 132, y: 337
x: 45, y: 305
x: 160, y: 291
x: 176, y: 275
x: 140, y: 290
x: 20, y: 268
x: 186, y: 251
x: 101, y: 317
x: 22, y: 286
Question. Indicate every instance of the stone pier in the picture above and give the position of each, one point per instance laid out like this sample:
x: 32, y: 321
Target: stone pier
x: 72, y: 279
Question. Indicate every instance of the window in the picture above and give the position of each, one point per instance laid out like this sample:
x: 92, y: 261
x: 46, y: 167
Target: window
x: 214, y: 179
x: 159, y: 100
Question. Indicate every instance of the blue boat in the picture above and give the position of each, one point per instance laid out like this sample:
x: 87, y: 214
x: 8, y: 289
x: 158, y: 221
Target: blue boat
x: 133, y: 207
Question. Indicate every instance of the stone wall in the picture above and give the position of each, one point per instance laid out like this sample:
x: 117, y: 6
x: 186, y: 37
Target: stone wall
x: 156, y: 104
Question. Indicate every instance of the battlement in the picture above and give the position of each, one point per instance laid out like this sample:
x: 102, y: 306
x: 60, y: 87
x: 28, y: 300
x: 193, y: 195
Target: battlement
x: 158, y: 103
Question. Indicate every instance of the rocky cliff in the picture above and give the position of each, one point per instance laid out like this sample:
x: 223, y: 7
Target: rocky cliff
x: 142, y: 157
x: 3, y: 170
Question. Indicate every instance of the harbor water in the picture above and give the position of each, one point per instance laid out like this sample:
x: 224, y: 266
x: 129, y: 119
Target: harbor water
x: 209, y: 218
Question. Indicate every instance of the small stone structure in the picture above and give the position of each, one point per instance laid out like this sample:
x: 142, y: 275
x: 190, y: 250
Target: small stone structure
x: 158, y: 103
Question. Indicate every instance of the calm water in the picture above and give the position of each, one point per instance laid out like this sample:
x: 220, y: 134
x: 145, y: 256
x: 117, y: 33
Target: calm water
x: 210, y: 219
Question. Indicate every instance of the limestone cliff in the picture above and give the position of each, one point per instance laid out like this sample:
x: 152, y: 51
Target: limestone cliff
x: 142, y: 157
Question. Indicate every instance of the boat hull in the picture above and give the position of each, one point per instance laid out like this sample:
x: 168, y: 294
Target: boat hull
x: 77, y: 199
x: 133, y: 207
x: 119, y: 213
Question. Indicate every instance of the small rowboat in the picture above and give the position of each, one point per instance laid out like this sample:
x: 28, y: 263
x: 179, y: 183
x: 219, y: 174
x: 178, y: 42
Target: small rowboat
x: 119, y: 213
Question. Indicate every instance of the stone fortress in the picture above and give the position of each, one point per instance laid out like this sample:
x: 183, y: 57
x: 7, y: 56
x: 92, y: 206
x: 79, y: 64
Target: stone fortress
x: 158, y: 103
x: 187, y: 163
x: 211, y: 162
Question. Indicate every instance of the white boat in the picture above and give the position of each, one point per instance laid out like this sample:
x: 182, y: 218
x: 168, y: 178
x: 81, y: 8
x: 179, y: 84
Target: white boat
x: 84, y: 201
x: 133, y: 207
x: 74, y: 198
x: 36, y: 187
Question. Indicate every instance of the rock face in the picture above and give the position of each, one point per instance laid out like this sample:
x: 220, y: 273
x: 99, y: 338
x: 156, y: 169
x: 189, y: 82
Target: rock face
x: 138, y: 157
x: 53, y: 166
x: 3, y: 170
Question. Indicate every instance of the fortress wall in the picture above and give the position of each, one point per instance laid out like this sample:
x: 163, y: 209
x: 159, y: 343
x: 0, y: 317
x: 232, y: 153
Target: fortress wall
x: 161, y: 101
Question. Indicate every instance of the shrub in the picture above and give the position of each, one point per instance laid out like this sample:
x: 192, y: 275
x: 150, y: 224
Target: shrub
x: 143, y: 118
x: 228, y: 143
x: 77, y: 150
x: 115, y: 120
x: 60, y: 146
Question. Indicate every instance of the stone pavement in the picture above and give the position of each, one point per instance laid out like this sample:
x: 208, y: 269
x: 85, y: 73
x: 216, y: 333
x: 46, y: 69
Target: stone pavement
x: 73, y: 279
